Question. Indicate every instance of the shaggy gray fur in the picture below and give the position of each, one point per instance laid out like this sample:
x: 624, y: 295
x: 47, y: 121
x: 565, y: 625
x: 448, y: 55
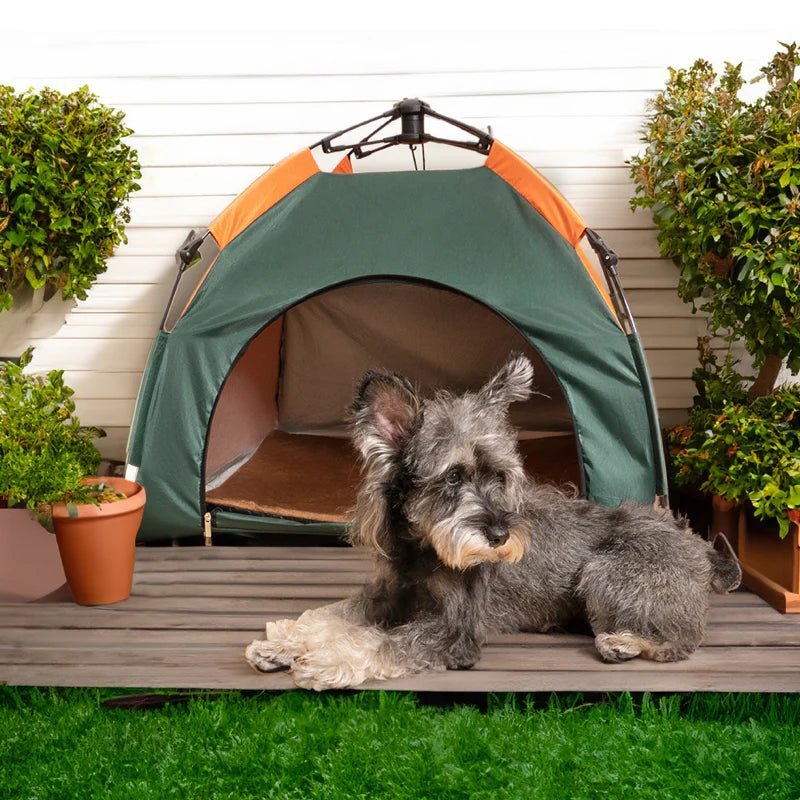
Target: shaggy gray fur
x: 466, y: 546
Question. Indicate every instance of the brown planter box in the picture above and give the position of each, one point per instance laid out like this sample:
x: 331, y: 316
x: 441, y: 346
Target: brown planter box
x: 770, y: 565
x: 725, y: 519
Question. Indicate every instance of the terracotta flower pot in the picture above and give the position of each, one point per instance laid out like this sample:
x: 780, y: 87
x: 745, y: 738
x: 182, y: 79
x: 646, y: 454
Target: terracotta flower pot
x: 771, y: 565
x: 97, y: 546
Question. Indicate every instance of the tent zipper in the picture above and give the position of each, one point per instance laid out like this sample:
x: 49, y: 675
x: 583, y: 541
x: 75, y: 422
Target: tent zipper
x: 207, y: 529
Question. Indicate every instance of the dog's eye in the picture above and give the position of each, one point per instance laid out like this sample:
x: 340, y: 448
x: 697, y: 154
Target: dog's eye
x: 501, y: 478
x: 453, y: 477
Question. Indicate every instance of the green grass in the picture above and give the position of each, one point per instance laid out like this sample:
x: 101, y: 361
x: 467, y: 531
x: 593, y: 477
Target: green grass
x: 64, y: 744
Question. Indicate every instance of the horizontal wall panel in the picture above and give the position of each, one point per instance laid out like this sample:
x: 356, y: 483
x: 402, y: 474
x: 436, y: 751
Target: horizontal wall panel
x: 140, y: 269
x: 528, y: 128
x: 95, y: 385
x: 383, y: 88
x: 214, y: 179
x: 153, y: 54
x: 104, y: 355
x: 261, y: 149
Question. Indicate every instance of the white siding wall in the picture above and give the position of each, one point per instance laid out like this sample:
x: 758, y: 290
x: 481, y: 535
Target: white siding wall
x: 212, y: 115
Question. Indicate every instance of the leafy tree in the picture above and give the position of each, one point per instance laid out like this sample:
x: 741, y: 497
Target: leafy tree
x: 723, y: 179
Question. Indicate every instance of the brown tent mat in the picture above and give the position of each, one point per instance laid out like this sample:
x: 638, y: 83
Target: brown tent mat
x: 316, y: 477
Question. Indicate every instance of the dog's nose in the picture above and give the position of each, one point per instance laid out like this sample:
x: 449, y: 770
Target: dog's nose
x: 496, y: 535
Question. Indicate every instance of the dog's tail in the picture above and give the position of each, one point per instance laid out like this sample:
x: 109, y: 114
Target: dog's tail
x: 726, y: 572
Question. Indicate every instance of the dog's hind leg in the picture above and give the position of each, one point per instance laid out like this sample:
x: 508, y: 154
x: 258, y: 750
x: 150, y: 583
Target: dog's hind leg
x: 624, y: 645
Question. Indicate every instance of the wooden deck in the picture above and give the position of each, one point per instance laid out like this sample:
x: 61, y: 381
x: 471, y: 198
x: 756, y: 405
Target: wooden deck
x: 193, y: 610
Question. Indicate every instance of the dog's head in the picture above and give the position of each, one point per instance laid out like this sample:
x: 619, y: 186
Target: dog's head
x: 445, y: 471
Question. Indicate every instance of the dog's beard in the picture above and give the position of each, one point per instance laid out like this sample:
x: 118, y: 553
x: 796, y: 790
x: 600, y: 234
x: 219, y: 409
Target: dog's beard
x: 460, y: 543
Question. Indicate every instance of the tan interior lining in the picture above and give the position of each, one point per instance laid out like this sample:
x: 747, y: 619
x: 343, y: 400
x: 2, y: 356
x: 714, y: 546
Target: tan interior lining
x: 436, y: 337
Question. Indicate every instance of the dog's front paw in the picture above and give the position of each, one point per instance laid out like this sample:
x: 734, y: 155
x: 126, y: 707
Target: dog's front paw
x: 277, y: 651
x: 318, y: 672
x: 263, y: 656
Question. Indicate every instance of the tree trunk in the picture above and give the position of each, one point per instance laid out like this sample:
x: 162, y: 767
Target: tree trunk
x: 767, y: 375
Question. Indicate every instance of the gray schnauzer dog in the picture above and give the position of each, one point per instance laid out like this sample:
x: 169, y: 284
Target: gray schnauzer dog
x: 466, y: 546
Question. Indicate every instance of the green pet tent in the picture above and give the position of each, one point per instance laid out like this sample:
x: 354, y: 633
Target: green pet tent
x: 309, y: 278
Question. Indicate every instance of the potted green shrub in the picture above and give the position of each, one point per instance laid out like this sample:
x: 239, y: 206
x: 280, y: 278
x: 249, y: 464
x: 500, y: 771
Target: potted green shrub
x: 748, y: 455
x: 66, y: 174
x: 46, y: 458
x: 722, y: 177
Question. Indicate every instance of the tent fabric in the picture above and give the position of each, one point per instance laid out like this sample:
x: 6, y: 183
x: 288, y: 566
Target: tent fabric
x: 262, y: 194
x: 469, y: 231
x: 289, y: 173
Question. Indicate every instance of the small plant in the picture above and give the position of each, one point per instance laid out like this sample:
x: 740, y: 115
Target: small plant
x: 722, y: 177
x: 45, y: 453
x: 65, y: 177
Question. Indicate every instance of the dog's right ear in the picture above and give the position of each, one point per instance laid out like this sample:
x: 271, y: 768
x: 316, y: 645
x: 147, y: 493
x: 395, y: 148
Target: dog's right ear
x: 385, y: 409
x: 513, y: 382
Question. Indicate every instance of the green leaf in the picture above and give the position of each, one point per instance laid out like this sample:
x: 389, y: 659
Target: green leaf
x: 23, y: 204
x: 36, y: 281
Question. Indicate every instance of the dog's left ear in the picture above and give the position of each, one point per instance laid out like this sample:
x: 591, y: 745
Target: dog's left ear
x: 385, y: 406
x: 513, y: 382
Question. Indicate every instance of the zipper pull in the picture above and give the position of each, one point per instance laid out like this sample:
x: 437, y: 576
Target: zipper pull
x: 207, y: 528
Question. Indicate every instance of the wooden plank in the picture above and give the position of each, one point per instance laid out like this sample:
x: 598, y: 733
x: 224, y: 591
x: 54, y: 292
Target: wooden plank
x: 148, y: 613
x: 224, y: 578
x: 495, y: 658
x: 723, y: 634
x: 223, y: 554
x: 256, y: 565
x: 288, y: 606
x: 62, y: 616
x: 654, y: 680
x: 235, y: 676
x: 231, y: 581
x: 261, y: 591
